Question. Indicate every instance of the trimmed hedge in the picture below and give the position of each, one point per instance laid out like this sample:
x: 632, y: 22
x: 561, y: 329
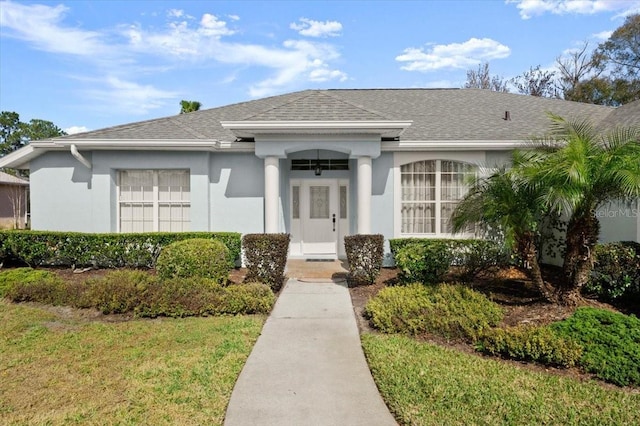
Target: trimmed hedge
x: 38, y: 248
x: 266, y: 258
x: 198, y: 258
x: 364, y: 255
x: 433, y: 257
x: 610, y: 341
x: 138, y: 292
x: 451, y: 311
x: 616, y: 272
x: 530, y: 343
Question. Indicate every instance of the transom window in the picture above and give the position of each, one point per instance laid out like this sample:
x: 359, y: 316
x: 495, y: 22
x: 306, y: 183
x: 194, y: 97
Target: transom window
x: 154, y: 200
x: 431, y: 190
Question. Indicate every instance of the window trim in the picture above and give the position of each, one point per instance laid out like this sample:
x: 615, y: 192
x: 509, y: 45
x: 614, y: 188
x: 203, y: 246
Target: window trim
x: 155, y: 202
x: 402, y: 158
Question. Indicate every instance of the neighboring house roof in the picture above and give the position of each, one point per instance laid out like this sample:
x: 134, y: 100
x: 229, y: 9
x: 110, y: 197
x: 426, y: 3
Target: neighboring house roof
x: 7, y: 179
x: 450, y: 117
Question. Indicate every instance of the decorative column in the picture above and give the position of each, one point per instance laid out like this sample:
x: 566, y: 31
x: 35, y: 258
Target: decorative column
x: 271, y: 194
x: 364, y: 195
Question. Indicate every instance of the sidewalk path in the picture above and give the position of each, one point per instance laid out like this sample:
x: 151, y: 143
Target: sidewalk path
x: 307, y: 367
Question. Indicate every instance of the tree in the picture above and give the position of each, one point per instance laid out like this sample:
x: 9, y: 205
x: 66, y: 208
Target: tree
x: 575, y: 69
x: 502, y: 201
x: 622, y: 50
x: 10, y: 138
x: 482, y: 79
x: 15, y: 134
x: 608, y: 76
x: 587, y: 171
x: 536, y: 82
x: 189, y: 106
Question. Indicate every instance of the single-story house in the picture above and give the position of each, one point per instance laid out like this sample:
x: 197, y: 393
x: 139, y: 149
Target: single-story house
x: 14, y: 201
x: 318, y: 164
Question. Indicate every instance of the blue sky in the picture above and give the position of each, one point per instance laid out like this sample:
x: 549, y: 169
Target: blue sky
x: 91, y: 64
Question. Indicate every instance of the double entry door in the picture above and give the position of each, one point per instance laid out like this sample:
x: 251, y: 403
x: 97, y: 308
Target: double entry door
x: 319, y: 217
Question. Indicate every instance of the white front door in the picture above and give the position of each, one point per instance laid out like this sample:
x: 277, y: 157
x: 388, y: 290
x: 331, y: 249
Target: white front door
x: 319, y: 221
x: 318, y: 217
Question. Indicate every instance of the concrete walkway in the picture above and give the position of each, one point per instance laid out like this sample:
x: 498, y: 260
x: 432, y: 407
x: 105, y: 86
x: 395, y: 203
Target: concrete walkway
x: 307, y: 367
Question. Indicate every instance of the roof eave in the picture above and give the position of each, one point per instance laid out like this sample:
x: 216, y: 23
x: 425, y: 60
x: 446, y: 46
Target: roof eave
x: 249, y: 129
x: 454, y: 145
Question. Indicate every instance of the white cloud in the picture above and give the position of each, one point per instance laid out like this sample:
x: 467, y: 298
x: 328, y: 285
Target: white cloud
x: 40, y: 25
x: 124, y: 51
x: 175, y: 13
x: 129, y: 97
x: 75, y: 129
x: 310, y: 28
x: 603, y: 35
x: 454, y: 55
x: 531, y: 8
x: 322, y: 75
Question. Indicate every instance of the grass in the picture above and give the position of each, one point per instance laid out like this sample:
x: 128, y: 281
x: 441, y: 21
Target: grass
x: 424, y: 384
x: 55, y: 370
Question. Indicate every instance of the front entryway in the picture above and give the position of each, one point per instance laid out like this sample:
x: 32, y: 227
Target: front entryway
x: 319, y: 218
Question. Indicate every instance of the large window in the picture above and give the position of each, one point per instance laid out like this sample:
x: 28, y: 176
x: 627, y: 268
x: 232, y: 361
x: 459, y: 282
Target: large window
x: 431, y: 190
x: 154, y: 200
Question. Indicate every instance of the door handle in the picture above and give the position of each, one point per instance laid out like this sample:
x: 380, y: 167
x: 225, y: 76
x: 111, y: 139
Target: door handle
x: 334, y: 222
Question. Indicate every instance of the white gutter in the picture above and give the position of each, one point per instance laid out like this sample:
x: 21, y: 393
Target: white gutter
x: 79, y: 157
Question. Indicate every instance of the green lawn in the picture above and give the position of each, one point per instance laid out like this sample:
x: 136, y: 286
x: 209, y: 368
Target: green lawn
x: 163, y: 371
x: 424, y: 384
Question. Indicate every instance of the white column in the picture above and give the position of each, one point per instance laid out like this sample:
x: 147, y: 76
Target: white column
x: 271, y: 194
x: 364, y: 195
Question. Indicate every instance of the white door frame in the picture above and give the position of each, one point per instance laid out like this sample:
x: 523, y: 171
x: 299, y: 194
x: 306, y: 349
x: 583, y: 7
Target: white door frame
x: 302, y: 225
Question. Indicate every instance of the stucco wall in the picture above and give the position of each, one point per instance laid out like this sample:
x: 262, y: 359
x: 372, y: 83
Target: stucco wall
x: 236, y: 190
x: 619, y: 222
x: 61, y: 194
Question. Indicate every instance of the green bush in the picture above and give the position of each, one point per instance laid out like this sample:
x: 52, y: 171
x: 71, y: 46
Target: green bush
x: 117, y: 292
x: 425, y: 263
x: 610, y: 341
x: 30, y: 285
x: 37, y: 248
x: 530, y: 343
x: 266, y: 258
x: 451, y: 311
x: 472, y: 256
x: 248, y: 298
x: 364, y: 255
x: 199, y: 257
x: 180, y: 297
x: 616, y: 272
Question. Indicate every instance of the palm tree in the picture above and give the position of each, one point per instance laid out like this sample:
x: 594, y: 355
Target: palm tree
x: 189, y: 106
x: 502, y: 201
x: 585, y: 171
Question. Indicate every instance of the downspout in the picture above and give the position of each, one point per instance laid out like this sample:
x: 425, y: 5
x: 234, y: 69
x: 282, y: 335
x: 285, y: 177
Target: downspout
x: 79, y: 157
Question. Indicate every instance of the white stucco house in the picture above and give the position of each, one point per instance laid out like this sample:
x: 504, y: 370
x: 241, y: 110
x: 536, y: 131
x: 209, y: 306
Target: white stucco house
x: 318, y: 164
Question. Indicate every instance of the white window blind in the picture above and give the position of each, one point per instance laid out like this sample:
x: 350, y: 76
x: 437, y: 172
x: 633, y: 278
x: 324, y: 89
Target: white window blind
x: 154, y: 200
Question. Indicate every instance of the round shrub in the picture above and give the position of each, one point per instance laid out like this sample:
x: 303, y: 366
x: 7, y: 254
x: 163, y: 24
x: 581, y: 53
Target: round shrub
x: 451, y: 311
x: 424, y: 261
x: 198, y: 257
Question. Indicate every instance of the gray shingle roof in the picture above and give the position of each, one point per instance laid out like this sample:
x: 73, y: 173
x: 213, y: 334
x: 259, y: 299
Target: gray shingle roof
x: 437, y: 114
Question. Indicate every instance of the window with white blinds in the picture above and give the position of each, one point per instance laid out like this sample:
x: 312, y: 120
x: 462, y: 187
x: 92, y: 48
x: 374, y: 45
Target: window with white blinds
x: 154, y: 200
x: 431, y: 190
